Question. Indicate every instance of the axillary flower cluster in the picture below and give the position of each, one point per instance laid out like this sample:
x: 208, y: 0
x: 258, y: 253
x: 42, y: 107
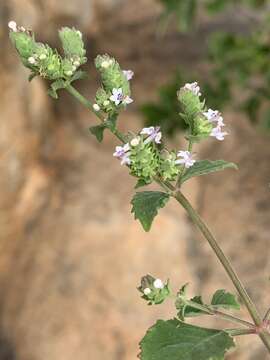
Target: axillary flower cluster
x: 147, y: 157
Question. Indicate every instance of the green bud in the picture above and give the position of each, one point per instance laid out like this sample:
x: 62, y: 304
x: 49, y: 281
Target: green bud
x: 25, y: 44
x: 168, y: 169
x: 144, y: 161
x: 153, y: 290
x: 103, y: 100
x: 73, y: 45
x: 111, y: 74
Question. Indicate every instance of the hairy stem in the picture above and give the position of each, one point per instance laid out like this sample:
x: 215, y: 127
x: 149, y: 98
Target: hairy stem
x: 239, y: 332
x: 226, y: 264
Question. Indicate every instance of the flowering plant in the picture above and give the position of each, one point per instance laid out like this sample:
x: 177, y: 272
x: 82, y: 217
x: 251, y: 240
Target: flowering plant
x: 147, y: 158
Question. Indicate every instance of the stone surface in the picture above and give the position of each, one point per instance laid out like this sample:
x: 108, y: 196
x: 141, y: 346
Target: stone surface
x: 71, y: 254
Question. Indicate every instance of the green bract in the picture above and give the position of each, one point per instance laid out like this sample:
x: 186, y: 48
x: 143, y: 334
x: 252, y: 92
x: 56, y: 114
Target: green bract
x: 73, y: 45
x: 112, y: 76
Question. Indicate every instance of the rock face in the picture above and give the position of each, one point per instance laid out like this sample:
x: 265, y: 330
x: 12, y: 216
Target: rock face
x: 71, y: 254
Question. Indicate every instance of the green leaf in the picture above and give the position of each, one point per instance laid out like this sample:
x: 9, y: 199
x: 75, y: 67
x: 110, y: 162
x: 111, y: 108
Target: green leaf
x: 146, y: 205
x: 141, y: 183
x: 98, y: 131
x: 175, y: 340
x: 225, y: 300
x: 55, y: 86
x: 31, y: 76
x: 204, y: 167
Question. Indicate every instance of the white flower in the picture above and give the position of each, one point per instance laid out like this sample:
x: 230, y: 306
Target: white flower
x: 42, y: 56
x: 218, y: 133
x: 13, y: 26
x: 128, y: 74
x: 194, y: 87
x: 76, y: 63
x: 96, y: 107
x: 135, y: 141
x: 158, y: 284
x: 32, y: 60
x: 69, y: 73
x: 154, y: 134
x: 117, y: 96
x: 147, y: 291
x: 214, y: 116
x: 186, y: 160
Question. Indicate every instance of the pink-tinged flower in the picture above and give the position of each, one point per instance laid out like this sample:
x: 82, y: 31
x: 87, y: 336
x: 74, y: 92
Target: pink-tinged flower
x: 122, y: 153
x: 128, y: 74
x: 154, y: 134
x: 127, y: 100
x: 186, y: 159
x: 118, y: 97
x: 214, y: 116
x: 194, y: 87
x: 218, y: 133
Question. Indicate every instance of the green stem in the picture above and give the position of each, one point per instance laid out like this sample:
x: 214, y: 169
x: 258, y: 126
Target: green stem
x: 265, y: 337
x: 218, y: 313
x: 226, y: 264
x: 239, y: 332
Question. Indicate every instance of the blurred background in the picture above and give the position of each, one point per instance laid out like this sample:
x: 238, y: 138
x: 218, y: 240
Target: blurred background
x: 71, y: 254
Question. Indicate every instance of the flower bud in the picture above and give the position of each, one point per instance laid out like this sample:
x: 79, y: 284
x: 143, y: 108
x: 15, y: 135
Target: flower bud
x: 154, y: 290
x: 73, y: 44
x: 112, y: 76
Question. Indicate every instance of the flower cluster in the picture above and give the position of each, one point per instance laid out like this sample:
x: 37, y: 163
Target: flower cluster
x: 44, y: 61
x: 202, y: 122
x: 147, y: 158
x: 155, y: 291
x: 115, y: 90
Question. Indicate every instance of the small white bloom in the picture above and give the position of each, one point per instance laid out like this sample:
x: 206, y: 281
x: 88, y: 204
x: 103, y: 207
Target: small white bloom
x: 74, y: 68
x: 122, y: 153
x: 13, y: 26
x: 111, y: 62
x: 96, y: 107
x: 214, y: 116
x: 117, y: 96
x: 154, y: 134
x: 218, y: 133
x: 194, y: 87
x: 76, y: 63
x: 32, y: 60
x: 135, y: 141
x: 158, y: 284
x: 105, y: 64
x: 23, y: 29
x: 147, y: 291
x: 42, y: 56
x: 186, y: 159
x: 128, y: 74
x: 69, y: 73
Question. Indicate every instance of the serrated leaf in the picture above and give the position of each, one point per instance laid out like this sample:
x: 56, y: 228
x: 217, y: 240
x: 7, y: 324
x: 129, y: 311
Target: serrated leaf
x: 204, y: 167
x: 98, y: 131
x: 146, y: 205
x: 55, y: 86
x: 175, y: 340
x: 225, y: 300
